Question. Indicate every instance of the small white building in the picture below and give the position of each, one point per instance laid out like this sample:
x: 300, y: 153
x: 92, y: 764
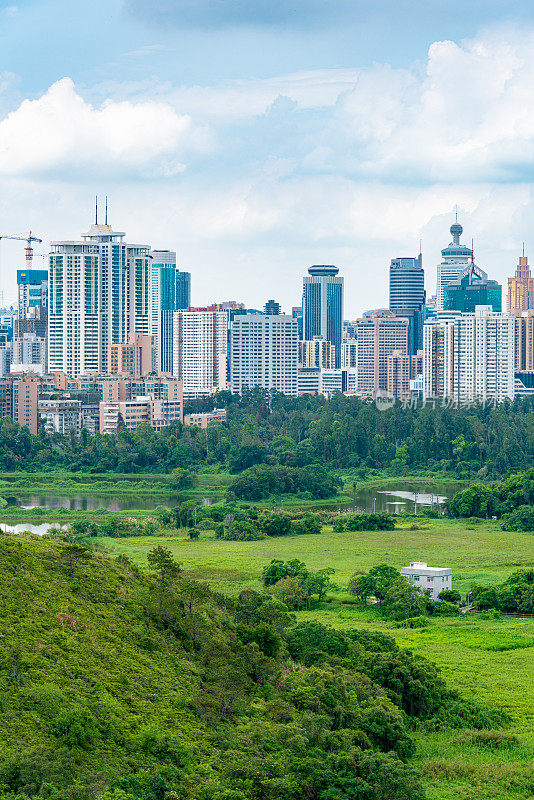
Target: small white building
x: 429, y: 579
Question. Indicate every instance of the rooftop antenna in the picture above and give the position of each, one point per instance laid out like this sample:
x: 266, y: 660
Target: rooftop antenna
x: 420, y: 246
x: 96, y: 209
x: 456, y: 209
x: 523, y: 249
x: 106, y: 209
x: 472, y: 251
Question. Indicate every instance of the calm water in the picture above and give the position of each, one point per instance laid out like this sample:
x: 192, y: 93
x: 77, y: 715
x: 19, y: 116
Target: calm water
x: 391, y: 500
x: 27, y: 527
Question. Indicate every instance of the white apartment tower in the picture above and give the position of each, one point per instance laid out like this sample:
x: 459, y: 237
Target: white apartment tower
x: 455, y: 259
x: 264, y: 353
x: 99, y: 294
x: 470, y: 357
x: 200, y: 347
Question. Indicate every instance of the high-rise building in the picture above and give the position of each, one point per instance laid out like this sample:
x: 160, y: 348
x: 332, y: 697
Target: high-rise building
x: 349, y: 352
x: 524, y: 340
x: 200, y: 350
x: 264, y: 353
x: 317, y: 353
x: 99, y: 294
x: 296, y: 313
x: 455, y: 258
x: 170, y: 292
x: 32, y: 290
x: 403, y: 368
x: 378, y: 336
x: 271, y: 307
x: 322, y: 306
x: 407, y: 296
x: 520, y: 296
x: 469, y: 357
x: 472, y: 289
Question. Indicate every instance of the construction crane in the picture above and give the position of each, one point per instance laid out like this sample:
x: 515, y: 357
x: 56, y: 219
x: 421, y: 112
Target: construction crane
x: 28, y: 249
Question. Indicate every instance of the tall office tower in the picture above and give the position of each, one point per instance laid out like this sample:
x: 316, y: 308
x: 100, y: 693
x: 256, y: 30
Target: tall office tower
x: 99, y: 294
x: 378, y: 336
x: 470, y: 357
x: 322, y: 306
x: 455, y: 258
x: 200, y: 346
x: 349, y: 353
x: 170, y: 292
x: 407, y: 296
x: 6, y: 350
x: 272, y: 307
x: 520, y: 296
x: 472, y: 289
x: 264, y: 353
x: 317, y: 353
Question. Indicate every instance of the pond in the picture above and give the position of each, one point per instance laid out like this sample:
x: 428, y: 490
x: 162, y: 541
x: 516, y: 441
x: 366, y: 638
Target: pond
x: 27, y: 527
x: 394, y: 500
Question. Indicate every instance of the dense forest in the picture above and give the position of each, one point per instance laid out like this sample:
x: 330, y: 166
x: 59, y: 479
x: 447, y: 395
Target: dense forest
x: 124, y: 685
x: 342, y: 432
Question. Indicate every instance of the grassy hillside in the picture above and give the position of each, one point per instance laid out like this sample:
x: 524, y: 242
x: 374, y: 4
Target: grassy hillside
x: 483, y: 658
x: 124, y: 686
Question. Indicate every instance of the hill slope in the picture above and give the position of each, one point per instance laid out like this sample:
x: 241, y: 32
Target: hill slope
x: 119, y: 685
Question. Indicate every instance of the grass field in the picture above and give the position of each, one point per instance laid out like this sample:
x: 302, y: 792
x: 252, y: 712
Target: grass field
x: 485, y: 659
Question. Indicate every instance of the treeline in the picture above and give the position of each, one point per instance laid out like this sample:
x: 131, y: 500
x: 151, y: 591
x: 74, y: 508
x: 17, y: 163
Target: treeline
x: 293, y: 432
x: 514, y: 596
x: 511, y: 498
x: 123, y: 685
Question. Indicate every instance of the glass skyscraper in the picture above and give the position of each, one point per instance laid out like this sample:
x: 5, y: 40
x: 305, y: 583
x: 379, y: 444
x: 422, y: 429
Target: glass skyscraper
x: 322, y: 306
x: 455, y: 258
x: 407, y: 296
x: 472, y: 289
x: 171, y: 291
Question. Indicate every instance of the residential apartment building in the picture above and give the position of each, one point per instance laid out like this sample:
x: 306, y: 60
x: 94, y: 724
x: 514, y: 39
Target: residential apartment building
x: 99, y: 294
x: 170, y: 292
x: 317, y: 353
x: 378, y: 336
x: 200, y: 351
x: 401, y: 369
x: 205, y: 418
x: 137, y: 357
x: 140, y: 409
x: 264, y: 353
x: 63, y: 416
x: 315, y: 380
x: 470, y: 357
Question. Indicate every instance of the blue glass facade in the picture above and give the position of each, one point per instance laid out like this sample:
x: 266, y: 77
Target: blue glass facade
x: 407, y: 296
x: 322, y: 306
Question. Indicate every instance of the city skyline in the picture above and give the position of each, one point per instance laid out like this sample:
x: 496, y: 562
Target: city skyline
x: 258, y: 139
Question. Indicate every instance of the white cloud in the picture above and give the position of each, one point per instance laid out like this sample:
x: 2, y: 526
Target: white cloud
x: 468, y: 115
x: 60, y: 132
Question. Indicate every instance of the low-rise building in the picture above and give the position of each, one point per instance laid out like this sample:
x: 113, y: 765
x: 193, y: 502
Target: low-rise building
x: 432, y: 580
x: 202, y: 420
x: 156, y: 412
x: 61, y: 416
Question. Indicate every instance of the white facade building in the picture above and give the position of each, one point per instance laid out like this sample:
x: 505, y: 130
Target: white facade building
x: 61, y: 416
x: 264, y: 353
x: 429, y: 579
x: 455, y: 258
x: 99, y: 294
x: 314, y: 380
x: 200, y: 351
x: 469, y: 357
x: 29, y: 354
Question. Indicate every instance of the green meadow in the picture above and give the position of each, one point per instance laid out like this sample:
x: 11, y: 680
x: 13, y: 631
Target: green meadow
x: 482, y: 657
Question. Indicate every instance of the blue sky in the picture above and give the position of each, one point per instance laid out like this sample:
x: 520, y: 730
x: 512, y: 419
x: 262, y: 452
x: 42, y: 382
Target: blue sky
x: 256, y: 138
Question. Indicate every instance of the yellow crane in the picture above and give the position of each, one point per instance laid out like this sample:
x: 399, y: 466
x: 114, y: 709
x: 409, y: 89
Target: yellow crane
x: 28, y: 249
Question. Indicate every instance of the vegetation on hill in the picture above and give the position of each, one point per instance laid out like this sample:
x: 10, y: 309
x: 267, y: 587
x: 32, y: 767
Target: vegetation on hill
x: 120, y: 685
x: 514, y: 596
x: 342, y: 432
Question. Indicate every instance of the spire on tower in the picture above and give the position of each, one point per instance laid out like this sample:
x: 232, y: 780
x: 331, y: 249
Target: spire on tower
x: 106, y: 209
x: 96, y: 209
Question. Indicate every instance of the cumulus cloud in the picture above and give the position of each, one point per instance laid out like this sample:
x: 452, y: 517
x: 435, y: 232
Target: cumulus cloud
x: 61, y: 133
x: 468, y: 115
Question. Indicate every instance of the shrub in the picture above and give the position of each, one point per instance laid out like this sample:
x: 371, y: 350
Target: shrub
x: 492, y: 740
x: 239, y: 531
x: 520, y: 520
x: 413, y: 622
x: 309, y: 524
